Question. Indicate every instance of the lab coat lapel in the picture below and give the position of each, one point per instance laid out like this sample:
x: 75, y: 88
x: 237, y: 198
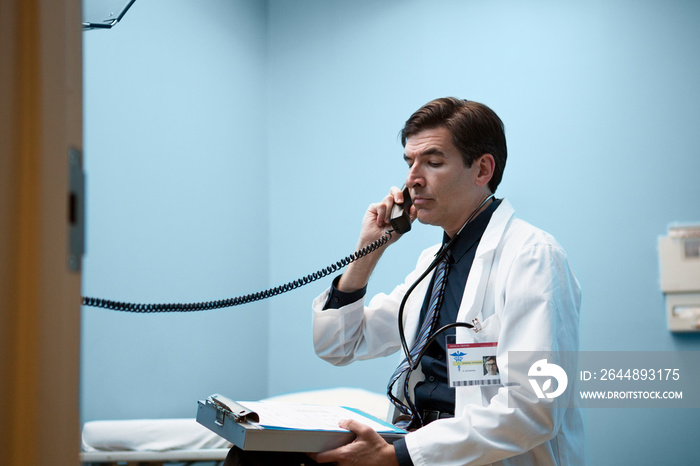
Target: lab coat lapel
x: 475, y: 289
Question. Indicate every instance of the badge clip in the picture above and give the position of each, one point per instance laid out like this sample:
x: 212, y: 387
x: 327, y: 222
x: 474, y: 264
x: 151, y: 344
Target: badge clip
x: 477, y: 325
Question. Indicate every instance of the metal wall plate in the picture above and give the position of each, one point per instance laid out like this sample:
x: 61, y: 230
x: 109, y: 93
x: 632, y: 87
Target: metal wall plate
x: 76, y: 209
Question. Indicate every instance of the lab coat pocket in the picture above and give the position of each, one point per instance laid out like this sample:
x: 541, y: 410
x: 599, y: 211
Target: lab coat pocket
x: 490, y: 330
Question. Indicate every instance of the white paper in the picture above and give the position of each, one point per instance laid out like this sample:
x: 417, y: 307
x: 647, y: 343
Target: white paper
x: 307, y: 417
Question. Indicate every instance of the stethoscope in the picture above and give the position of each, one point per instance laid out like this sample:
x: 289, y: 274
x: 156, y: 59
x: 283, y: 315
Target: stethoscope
x: 413, y: 364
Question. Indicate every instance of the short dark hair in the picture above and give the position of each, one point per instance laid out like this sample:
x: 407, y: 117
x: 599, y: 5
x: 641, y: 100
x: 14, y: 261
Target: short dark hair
x: 475, y: 128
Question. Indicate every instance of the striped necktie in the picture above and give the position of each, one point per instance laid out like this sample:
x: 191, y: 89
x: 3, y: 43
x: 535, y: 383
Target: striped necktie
x: 427, y: 327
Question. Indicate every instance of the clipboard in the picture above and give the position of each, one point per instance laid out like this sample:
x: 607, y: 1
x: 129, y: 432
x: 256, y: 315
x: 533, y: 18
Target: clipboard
x: 261, y: 430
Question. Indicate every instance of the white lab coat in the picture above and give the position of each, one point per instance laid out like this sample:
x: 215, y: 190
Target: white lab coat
x: 527, y: 298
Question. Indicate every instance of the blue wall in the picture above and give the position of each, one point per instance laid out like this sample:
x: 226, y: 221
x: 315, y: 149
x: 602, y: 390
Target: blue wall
x: 599, y: 99
x: 305, y: 98
x: 177, y: 194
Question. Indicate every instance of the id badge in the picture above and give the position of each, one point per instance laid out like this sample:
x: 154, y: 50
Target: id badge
x: 472, y: 364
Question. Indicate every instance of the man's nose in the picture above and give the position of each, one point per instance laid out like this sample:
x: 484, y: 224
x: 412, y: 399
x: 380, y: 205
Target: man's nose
x: 414, y: 177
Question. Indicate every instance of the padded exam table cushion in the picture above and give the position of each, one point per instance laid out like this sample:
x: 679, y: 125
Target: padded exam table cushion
x: 106, y: 440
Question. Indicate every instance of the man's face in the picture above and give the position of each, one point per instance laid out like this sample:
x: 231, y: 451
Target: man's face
x: 491, y: 367
x: 442, y: 187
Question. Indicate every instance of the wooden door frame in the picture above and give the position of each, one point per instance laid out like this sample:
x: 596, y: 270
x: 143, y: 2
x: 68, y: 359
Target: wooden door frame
x: 40, y: 121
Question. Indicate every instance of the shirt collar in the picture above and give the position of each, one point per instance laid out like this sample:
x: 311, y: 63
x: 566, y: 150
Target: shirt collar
x: 471, y: 234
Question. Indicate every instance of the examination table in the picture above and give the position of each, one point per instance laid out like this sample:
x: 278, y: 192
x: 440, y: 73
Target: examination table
x: 158, y: 441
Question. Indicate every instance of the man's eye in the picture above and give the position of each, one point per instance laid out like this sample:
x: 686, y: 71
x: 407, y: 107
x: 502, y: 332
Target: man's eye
x: 435, y: 164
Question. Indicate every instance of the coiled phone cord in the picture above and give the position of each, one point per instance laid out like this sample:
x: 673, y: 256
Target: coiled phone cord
x: 239, y: 300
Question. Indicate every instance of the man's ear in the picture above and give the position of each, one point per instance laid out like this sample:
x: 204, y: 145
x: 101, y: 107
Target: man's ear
x: 486, y: 166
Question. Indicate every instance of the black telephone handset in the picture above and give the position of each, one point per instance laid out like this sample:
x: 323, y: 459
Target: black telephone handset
x: 400, y: 217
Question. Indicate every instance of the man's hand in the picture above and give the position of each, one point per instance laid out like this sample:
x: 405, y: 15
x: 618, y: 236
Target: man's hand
x: 377, y: 216
x: 368, y: 449
x: 374, y: 224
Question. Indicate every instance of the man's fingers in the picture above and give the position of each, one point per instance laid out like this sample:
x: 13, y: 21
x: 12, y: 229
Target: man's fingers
x: 340, y: 453
x: 367, y: 448
x: 397, y: 194
x: 356, y: 427
x: 382, y: 210
x: 395, y: 197
x: 330, y: 456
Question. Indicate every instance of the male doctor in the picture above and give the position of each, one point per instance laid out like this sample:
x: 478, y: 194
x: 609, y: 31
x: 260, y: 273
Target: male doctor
x: 511, y: 281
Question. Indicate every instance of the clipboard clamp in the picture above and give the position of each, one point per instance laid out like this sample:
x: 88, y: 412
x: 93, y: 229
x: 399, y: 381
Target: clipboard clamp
x: 226, y: 407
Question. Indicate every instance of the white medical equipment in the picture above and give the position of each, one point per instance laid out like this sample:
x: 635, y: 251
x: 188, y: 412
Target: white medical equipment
x: 679, y: 264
